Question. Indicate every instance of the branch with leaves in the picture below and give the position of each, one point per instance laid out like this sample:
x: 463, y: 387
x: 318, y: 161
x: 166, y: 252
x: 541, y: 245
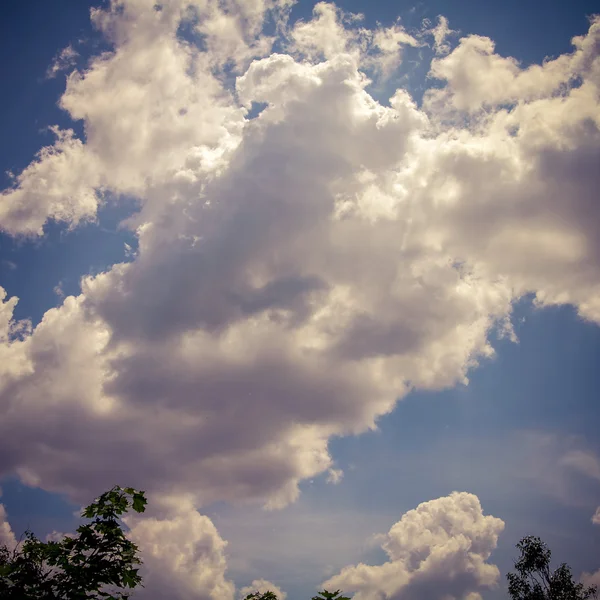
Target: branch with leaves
x: 534, y: 579
x: 80, y: 567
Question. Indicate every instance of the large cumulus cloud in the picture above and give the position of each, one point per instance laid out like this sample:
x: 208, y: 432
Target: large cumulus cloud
x: 184, y: 556
x: 283, y: 290
x: 438, y: 551
x: 297, y: 272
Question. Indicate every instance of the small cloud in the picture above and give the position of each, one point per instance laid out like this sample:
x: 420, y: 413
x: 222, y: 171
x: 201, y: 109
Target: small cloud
x: 262, y: 586
x: 586, y: 463
x: 9, y: 264
x: 440, y: 33
x: 58, y: 290
x: 376, y: 540
x: 596, y: 517
x: 56, y: 536
x: 65, y: 59
x: 335, y: 476
x: 129, y: 251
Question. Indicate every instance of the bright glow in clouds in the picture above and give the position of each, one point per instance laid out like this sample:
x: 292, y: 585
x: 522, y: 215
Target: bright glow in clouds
x: 297, y: 272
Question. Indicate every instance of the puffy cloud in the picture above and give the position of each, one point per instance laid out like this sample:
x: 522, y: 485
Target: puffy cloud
x: 7, y: 537
x: 297, y: 272
x: 153, y: 110
x: 262, y: 586
x: 477, y: 77
x: 61, y: 184
x: 245, y: 371
x: 324, y: 35
x: 388, y: 43
x: 596, y: 517
x: 438, y: 550
x: 13, y: 362
x: 183, y: 556
x: 332, y: 32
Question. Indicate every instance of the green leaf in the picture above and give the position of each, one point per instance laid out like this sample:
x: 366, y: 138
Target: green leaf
x: 77, y: 568
x: 139, y: 502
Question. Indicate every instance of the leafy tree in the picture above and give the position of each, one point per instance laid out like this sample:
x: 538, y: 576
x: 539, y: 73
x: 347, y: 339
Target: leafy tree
x: 534, y: 580
x: 324, y: 595
x: 80, y: 567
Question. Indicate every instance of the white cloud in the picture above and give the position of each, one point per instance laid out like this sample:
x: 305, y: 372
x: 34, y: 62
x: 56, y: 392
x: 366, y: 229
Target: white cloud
x: 298, y: 272
x: 438, y: 550
x: 7, y: 537
x: 65, y: 59
x: 262, y: 586
x: 332, y: 32
x: 324, y: 35
x: 335, y: 476
x: 440, y: 34
x: 61, y: 184
x: 153, y: 109
x: 477, y: 77
x: 596, y: 517
x: 183, y: 556
x: 583, y: 461
x: 57, y: 536
x: 304, y: 344
x: 388, y: 43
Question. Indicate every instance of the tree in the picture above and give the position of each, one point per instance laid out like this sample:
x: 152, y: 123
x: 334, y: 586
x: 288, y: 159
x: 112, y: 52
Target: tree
x: 534, y: 580
x: 324, y: 595
x: 80, y: 567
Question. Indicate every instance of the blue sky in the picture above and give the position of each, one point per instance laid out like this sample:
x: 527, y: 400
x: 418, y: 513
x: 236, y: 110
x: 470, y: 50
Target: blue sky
x: 521, y: 435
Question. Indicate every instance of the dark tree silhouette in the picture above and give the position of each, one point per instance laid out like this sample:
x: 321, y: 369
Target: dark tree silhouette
x: 80, y: 567
x: 324, y: 595
x: 534, y: 580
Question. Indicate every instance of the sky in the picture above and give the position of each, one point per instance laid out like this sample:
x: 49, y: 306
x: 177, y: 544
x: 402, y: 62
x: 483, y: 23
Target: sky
x: 322, y: 279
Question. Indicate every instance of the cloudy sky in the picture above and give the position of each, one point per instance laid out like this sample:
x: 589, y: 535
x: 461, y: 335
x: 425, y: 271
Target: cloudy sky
x: 324, y: 280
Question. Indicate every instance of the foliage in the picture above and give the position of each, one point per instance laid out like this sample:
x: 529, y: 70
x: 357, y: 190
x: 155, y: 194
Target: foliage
x: 534, y: 580
x: 80, y: 567
x: 324, y: 595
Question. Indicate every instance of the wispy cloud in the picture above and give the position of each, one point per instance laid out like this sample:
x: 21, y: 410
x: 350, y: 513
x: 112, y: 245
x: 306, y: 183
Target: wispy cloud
x: 64, y: 60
